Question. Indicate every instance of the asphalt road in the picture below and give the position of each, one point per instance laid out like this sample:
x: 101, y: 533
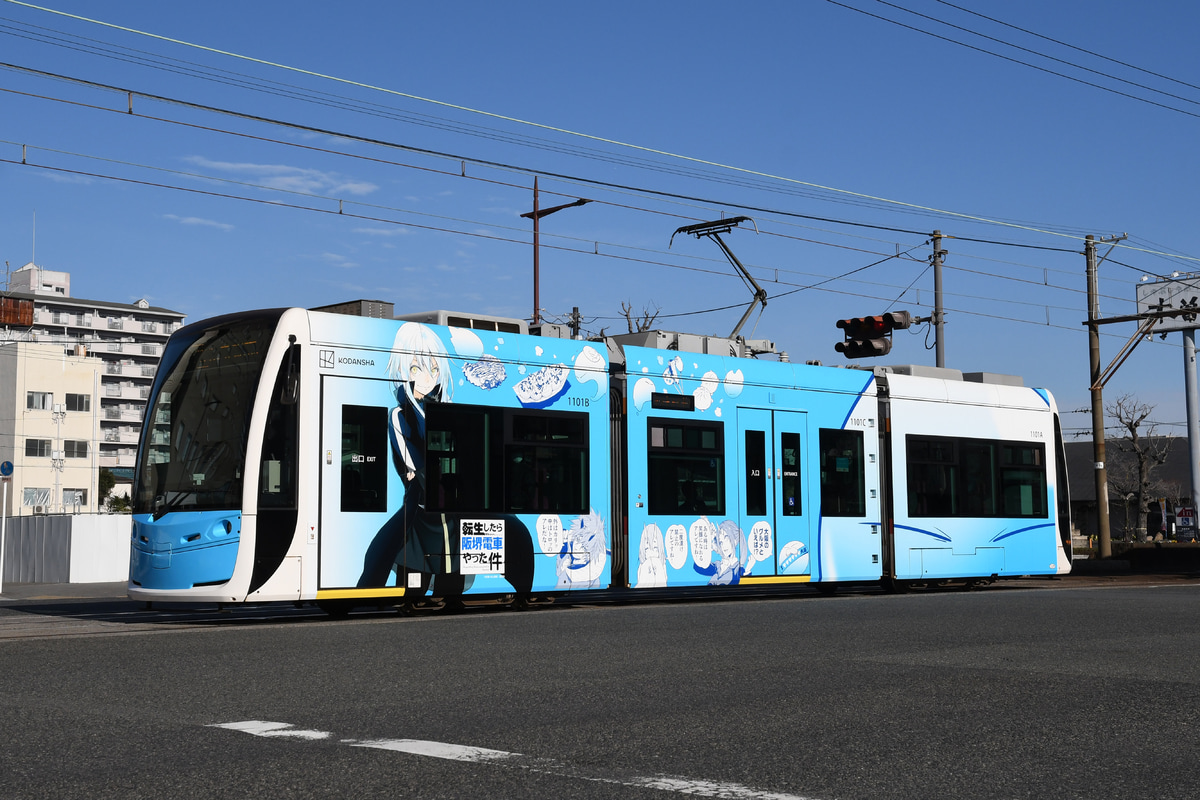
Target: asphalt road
x: 1040, y: 690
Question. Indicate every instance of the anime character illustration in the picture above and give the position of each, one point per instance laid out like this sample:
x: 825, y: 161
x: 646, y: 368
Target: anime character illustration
x: 414, y: 539
x: 652, y: 569
x: 736, y: 559
x: 420, y: 372
x: 583, y: 555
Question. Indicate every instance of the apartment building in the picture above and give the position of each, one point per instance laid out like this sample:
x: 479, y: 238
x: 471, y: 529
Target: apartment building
x: 49, y: 427
x: 118, y: 345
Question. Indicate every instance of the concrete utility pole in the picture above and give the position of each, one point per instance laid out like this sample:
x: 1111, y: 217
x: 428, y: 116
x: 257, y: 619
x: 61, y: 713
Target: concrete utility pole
x: 1192, y: 398
x: 939, y: 315
x: 1101, y: 472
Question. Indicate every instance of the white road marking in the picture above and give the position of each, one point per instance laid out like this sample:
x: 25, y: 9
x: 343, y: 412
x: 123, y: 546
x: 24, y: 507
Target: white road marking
x: 453, y: 752
x: 483, y: 755
x: 725, y: 791
x: 275, y: 729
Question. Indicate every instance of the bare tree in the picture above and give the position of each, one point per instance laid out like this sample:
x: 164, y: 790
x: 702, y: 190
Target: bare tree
x: 1132, y: 476
x: 641, y: 323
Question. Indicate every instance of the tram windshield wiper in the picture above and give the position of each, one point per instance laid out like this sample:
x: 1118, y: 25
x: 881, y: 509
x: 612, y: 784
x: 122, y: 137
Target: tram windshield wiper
x: 162, y: 506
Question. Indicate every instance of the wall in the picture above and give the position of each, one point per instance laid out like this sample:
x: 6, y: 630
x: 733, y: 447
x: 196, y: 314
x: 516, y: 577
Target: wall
x: 67, y: 548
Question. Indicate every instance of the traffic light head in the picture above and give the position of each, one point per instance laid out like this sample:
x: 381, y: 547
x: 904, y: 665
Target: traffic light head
x: 871, y: 336
x: 897, y: 320
x: 864, y: 348
x: 864, y: 327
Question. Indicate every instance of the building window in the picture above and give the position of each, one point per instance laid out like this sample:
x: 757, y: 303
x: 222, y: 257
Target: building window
x: 37, y: 448
x: 75, y: 498
x: 39, y: 401
x: 35, y: 497
x: 79, y: 402
x: 75, y: 449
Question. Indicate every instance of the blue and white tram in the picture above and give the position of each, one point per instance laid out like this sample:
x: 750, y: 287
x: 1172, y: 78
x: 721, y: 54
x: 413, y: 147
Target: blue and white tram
x: 307, y: 456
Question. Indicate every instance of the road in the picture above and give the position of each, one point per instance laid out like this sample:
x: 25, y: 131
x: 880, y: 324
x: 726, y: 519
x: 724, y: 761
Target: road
x: 1063, y: 689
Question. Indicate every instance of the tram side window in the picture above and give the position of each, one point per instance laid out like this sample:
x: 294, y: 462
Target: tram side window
x: 686, y: 471
x: 462, y: 458
x: 756, y: 473
x: 510, y: 460
x: 961, y: 477
x: 843, y: 474
x: 790, y: 465
x: 364, y: 458
x: 950, y: 477
x: 546, y: 457
x: 1023, y: 480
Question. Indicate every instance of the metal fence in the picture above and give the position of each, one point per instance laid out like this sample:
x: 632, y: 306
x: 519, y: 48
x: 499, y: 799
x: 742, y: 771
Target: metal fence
x: 67, y: 548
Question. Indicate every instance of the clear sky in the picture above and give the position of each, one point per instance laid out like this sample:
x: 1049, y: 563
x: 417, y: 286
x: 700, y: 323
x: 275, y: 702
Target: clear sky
x: 847, y: 137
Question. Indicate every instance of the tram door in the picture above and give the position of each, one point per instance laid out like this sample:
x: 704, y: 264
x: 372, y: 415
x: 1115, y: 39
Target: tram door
x: 775, y: 511
x: 358, y: 489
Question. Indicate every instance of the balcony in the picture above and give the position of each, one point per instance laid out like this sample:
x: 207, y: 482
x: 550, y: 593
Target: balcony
x: 121, y: 436
x: 127, y: 369
x: 119, y: 459
x: 122, y: 414
x: 126, y: 391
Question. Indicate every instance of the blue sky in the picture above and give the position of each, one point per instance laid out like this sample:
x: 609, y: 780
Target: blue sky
x: 847, y: 138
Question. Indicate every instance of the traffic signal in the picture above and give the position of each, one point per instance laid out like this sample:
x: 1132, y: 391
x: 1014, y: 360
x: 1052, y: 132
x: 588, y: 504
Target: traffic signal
x: 866, y: 337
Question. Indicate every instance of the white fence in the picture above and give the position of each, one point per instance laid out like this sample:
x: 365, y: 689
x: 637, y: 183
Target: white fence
x: 67, y: 548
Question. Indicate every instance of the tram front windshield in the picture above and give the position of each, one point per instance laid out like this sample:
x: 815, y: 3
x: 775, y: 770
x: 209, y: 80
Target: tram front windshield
x: 194, y: 438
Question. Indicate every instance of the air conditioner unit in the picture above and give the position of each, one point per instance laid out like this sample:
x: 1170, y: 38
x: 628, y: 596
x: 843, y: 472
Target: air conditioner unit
x: 39, y: 509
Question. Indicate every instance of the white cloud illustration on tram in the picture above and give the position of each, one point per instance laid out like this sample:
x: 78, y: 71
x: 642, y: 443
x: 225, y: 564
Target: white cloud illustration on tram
x: 590, y: 367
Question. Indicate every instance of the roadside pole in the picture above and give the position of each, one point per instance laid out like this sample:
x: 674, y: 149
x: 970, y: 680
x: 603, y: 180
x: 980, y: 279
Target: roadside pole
x: 1104, y: 549
x: 7, y: 479
x: 1193, y: 411
x: 6, y: 471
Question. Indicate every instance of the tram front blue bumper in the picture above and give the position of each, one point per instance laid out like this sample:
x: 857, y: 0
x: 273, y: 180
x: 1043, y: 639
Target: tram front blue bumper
x: 184, y: 549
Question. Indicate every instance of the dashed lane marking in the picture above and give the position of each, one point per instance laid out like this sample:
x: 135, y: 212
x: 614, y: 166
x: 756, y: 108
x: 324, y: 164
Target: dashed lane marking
x: 483, y: 755
x: 279, y: 729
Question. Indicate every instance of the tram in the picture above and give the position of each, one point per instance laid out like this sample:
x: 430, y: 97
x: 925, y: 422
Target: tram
x: 306, y: 456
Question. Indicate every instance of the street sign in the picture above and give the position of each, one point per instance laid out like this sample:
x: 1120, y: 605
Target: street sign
x: 6, y: 469
x: 1171, y: 294
x: 1185, y: 517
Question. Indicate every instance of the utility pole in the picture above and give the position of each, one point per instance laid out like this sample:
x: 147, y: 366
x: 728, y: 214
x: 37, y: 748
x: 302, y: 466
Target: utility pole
x: 536, y: 215
x: 58, y: 457
x: 939, y: 315
x: 1192, y: 401
x: 1101, y: 472
x: 575, y: 323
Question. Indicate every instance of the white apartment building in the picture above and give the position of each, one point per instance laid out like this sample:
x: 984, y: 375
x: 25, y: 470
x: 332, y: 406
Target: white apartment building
x: 120, y: 342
